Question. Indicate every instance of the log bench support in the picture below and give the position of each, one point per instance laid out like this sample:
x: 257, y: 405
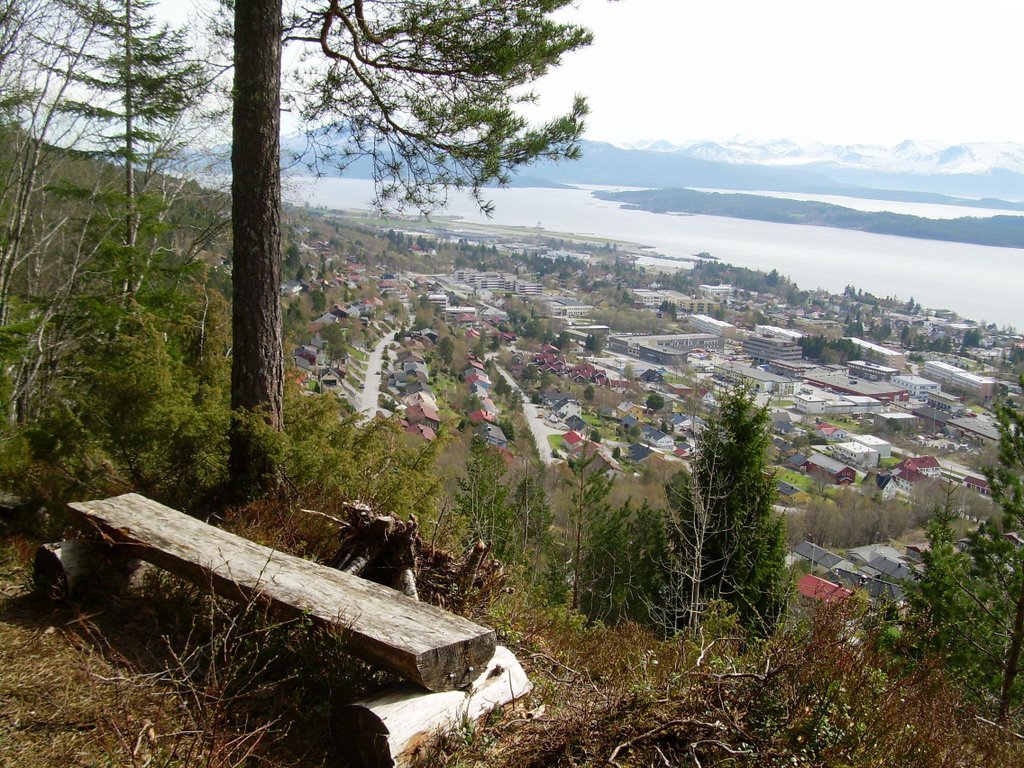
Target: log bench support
x: 397, y: 727
x: 455, y: 660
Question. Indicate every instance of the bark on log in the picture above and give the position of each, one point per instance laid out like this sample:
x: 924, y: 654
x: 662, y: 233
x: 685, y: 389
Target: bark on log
x: 72, y: 570
x: 396, y: 727
x: 420, y: 642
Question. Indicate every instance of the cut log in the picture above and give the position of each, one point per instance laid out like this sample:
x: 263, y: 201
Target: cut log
x: 422, y: 643
x: 71, y: 570
x: 396, y: 727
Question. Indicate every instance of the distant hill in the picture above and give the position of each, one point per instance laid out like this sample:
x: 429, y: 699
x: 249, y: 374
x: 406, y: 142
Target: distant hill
x: 1006, y: 231
x: 909, y: 172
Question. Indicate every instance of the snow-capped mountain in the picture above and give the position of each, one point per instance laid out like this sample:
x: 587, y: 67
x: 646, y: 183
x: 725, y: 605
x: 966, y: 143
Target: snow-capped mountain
x: 918, y: 157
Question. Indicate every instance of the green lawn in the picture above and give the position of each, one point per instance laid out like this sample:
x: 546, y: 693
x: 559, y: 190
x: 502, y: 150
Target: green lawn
x: 555, y: 442
x: 803, y: 482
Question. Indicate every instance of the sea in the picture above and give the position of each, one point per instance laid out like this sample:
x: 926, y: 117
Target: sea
x: 982, y: 283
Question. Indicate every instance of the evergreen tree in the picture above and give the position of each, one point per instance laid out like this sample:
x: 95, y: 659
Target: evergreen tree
x: 590, y: 489
x: 481, y: 499
x: 533, y: 519
x: 726, y: 540
x: 140, y: 81
x: 969, y: 601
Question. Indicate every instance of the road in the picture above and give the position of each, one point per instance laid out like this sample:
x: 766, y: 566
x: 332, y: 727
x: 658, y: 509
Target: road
x: 368, y: 396
x: 538, y: 427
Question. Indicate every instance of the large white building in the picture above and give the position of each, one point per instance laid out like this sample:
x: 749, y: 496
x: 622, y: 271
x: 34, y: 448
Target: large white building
x: 565, y: 306
x: 855, y: 453
x: 982, y: 386
x: 775, y: 332
x: 918, y: 386
x: 882, y: 447
x: 890, y: 357
x: 708, y: 324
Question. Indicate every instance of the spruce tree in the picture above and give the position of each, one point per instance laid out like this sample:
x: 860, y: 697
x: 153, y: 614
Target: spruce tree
x: 969, y: 601
x: 140, y: 81
x: 726, y: 540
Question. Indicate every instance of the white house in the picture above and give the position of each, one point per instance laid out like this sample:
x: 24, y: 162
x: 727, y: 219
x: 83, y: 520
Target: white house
x: 856, y: 454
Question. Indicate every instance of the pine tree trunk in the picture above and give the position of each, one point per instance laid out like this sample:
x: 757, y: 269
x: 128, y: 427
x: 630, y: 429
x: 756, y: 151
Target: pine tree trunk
x: 1012, y: 666
x: 257, y: 369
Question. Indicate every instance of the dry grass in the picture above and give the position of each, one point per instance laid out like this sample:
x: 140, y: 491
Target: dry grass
x: 820, y: 694
x: 165, y: 677
x: 171, y: 677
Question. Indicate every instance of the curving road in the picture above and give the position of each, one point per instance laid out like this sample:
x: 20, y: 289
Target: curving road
x: 538, y: 427
x: 368, y: 396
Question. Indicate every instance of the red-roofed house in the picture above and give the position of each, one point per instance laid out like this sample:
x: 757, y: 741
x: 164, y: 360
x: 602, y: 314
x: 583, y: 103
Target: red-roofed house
x: 927, y: 465
x: 477, y: 416
x: 978, y: 484
x: 573, y: 440
x: 814, y: 588
x: 421, y: 430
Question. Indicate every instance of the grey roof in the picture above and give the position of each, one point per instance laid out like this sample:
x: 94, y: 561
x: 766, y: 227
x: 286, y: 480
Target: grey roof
x: 575, y: 422
x: 828, y: 464
x: 818, y: 555
x: 637, y: 452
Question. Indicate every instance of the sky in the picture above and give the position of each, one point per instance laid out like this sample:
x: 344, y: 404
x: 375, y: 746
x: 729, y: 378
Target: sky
x: 832, y: 71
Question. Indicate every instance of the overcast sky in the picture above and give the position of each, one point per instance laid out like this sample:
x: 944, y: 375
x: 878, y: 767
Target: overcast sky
x: 871, y: 71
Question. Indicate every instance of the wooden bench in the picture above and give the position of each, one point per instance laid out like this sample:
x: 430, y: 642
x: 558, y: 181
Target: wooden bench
x: 420, y: 642
x: 466, y: 674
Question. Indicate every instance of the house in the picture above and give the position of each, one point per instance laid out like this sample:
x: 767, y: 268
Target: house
x: 492, y: 435
x: 884, y: 483
x: 837, y: 472
x: 812, y: 587
x: 796, y: 461
x: 572, y: 440
x: 879, y: 560
x: 652, y: 376
x: 819, y: 557
x: 423, y: 414
x: 638, y: 452
x: 927, y: 465
x: 480, y: 415
x: 829, y: 431
x: 627, y: 408
x: 420, y: 398
x: 421, y: 430
x: 977, y: 484
x: 576, y: 423
x: 790, y: 494
x: 563, y: 406
x: 657, y: 439
x: 478, y: 379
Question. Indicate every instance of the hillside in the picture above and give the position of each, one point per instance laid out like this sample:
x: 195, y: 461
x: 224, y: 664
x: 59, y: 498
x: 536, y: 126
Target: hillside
x: 1005, y: 231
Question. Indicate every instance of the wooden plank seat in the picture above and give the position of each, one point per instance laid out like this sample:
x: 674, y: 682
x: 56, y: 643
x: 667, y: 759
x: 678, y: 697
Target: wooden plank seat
x: 420, y: 642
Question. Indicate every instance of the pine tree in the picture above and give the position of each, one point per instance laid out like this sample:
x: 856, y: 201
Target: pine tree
x: 427, y: 91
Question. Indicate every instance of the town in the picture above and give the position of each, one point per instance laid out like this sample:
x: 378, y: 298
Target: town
x: 551, y: 351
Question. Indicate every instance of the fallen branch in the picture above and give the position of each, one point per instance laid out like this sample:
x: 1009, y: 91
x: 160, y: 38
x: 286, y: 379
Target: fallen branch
x: 715, y: 726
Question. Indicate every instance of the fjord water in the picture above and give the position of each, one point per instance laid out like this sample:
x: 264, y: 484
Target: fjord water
x: 979, y: 282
